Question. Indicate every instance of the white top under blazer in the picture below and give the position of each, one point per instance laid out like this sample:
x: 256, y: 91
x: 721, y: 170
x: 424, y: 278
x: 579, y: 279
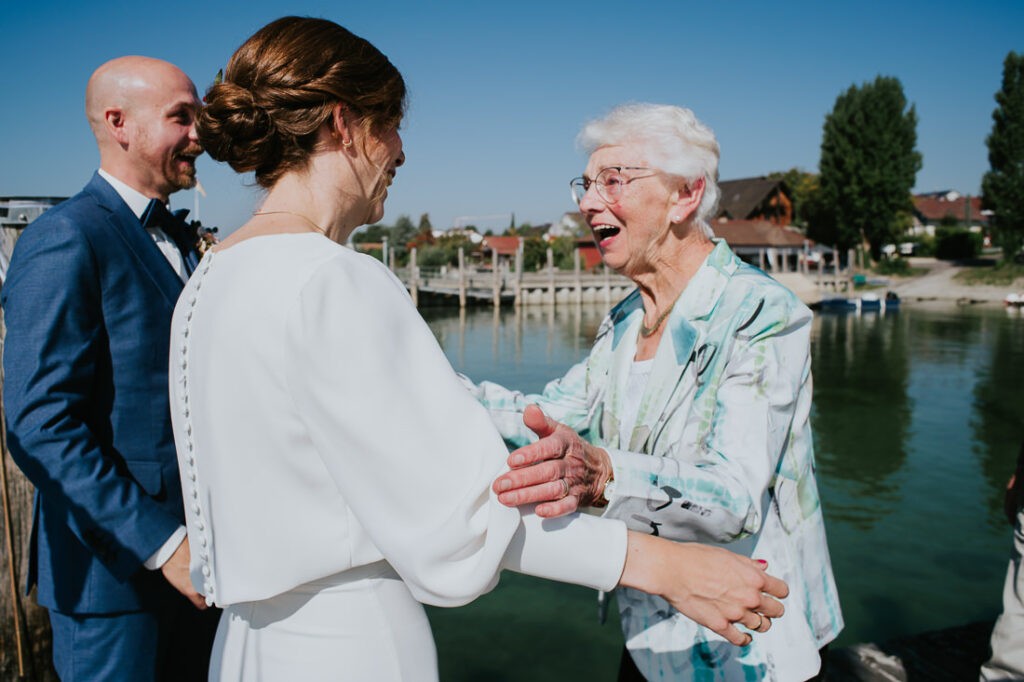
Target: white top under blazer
x: 319, y: 427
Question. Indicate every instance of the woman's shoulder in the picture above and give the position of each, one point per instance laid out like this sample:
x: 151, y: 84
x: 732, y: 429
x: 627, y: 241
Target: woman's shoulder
x: 752, y: 292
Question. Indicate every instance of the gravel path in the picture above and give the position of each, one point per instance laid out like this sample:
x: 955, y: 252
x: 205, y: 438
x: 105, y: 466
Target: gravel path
x: 939, y: 285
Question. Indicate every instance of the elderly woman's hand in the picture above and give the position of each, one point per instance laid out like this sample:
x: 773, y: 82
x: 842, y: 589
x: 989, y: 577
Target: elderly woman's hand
x: 561, y: 470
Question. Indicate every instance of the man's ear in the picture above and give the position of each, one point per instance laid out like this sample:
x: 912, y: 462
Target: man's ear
x: 116, y: 123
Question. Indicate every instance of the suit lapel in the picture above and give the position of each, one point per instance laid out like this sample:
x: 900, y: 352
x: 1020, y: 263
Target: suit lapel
x: 128, y: 230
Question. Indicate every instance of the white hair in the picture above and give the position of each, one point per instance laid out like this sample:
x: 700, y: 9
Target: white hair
x: 673, y: 141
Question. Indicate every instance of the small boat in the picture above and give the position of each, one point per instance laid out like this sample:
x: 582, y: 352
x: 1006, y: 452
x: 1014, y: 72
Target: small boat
x: 1014, y: 300
x: 869, y: 301
x: 835, y: 304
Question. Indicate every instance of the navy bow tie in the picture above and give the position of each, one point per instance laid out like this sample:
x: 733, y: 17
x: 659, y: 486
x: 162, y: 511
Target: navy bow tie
x: 173, y: 225
x: 157, y: 215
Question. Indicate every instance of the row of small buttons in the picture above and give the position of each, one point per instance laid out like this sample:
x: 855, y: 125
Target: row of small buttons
x: 190, y: 473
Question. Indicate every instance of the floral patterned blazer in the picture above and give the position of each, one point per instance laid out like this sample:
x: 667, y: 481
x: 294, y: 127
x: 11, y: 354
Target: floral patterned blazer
x: 721, y: 453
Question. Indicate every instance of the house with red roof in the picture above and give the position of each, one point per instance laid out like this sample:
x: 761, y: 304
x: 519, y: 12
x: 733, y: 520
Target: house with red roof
x: 949, y: 208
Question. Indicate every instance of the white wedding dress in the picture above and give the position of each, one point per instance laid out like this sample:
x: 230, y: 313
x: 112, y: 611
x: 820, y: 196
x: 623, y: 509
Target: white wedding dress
x: 336, y: 473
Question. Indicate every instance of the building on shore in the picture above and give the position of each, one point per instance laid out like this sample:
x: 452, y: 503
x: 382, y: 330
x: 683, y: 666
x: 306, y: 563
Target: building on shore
x: 947, y: 208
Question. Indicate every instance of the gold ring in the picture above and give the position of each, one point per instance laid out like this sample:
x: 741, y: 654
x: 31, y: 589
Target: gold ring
x: 565, y: 487
x: 760, y: 622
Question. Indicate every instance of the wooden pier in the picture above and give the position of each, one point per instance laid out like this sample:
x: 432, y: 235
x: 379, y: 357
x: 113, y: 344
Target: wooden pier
x: 504, y: 283
x: 501, y: 284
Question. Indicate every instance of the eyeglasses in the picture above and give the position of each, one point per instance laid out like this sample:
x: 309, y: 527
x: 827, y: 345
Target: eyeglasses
x: 610, y: 183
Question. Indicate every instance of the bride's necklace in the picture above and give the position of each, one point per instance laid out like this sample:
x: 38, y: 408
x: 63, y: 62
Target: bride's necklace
x: 646, y: 331
x: 297, y: 215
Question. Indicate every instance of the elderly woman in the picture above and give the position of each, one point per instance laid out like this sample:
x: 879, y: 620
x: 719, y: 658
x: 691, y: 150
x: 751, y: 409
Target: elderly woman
x: 309, y: 398
x: 692, y: 407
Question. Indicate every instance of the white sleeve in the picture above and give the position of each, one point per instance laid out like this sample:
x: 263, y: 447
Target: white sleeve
x: 412, y: 453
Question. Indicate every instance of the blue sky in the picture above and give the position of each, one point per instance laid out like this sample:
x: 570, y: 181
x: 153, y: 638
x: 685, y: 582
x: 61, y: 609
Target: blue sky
x: 499, y: 90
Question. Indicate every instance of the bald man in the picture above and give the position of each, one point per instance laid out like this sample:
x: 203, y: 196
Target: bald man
x: 87, y: 303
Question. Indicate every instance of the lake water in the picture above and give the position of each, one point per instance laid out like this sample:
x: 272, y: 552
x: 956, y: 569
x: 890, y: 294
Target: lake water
x: 917, y: 417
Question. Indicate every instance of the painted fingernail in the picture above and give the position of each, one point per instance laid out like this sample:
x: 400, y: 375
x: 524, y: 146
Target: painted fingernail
x: 761, y: 561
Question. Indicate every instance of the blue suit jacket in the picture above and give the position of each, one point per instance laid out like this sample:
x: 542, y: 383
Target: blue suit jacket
x: 87, y: 303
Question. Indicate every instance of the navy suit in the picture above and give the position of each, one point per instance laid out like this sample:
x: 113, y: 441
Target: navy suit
x: 87, y: 304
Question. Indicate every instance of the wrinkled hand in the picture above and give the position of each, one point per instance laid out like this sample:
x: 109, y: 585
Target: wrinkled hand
x: 710, y: 585
x: 175, y: 570
x: 539, y: 468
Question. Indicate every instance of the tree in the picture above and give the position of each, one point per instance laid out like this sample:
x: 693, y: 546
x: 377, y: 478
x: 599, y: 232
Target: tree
x: 1002, y: 187
x: 425, y: 225
x: 867, y: 168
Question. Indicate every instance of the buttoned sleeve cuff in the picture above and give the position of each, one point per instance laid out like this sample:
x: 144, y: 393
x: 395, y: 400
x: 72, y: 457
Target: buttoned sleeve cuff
x: 593, y: 554
x: 160, y: 557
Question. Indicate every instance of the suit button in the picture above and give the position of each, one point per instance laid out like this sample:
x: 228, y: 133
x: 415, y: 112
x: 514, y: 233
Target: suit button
x: 195, y: 508
x: 206, y: 571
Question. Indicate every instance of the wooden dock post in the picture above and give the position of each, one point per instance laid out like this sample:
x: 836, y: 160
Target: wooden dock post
x: 835, y: 267
x: 576, y: 274
x: 518, y: 300
x: 496, y: 283
x: 462, y: 277
x: 414, y: 278
x: 551, y: 276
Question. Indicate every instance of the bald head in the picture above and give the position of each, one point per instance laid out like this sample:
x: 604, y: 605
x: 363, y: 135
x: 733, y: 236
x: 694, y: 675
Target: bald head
x: 142, y: 112
x: 126, y: 82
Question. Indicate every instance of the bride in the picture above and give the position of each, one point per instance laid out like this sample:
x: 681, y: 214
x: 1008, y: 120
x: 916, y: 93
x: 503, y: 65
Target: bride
x: 336, y: 473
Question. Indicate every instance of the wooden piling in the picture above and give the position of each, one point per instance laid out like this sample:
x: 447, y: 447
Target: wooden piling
x: 551, y: 276
x: 414, y: 278
x: 462, y: 277
x: 576, y: 275
x: 518, y: 301
x: 496, y: 282
x: 25, y: 638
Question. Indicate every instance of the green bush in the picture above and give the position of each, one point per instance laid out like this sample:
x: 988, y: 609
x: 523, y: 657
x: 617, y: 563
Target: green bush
x: 892, y: 266
x: 953, y: 244
x: 924, y: 245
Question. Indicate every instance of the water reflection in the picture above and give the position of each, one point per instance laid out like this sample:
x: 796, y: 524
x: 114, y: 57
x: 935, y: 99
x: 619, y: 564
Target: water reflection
x: 917, y: 418
x: 998, y: 409
x: 861, y: 409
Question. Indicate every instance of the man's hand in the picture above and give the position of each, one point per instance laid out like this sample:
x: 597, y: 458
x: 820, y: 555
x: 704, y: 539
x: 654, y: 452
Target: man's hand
x: 175, y: 570
x: 539, y: 469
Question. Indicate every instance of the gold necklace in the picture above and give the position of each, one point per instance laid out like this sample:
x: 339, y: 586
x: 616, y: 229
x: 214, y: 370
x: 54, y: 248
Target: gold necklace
x: 297, y: 215
x: 646, y: 331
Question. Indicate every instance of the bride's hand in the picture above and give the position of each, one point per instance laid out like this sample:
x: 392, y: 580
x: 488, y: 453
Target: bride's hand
x: 710, y: 585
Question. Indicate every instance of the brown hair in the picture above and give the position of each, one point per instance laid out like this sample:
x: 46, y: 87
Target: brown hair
x: 281, y: 86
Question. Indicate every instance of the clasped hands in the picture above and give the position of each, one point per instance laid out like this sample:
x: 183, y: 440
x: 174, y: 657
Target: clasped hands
x: 561, y: 472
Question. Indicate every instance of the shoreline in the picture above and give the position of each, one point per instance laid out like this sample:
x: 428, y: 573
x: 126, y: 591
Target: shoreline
x: 940, y: 284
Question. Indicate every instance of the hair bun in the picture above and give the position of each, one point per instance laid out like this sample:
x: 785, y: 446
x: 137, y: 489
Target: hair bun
x: 235, y: 129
